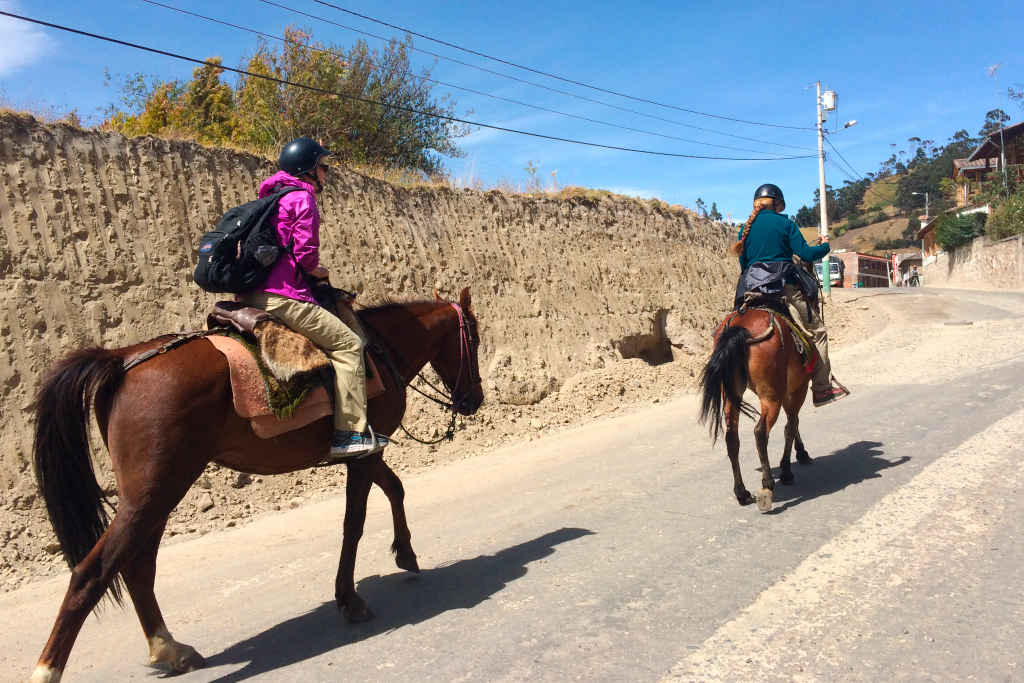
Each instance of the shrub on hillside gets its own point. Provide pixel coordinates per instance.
(1008, 218)
(953, 229)
(263, 115)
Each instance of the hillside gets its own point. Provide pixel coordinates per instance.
(877, 203)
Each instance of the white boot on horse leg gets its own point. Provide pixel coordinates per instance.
(164, 649)
(45, 674)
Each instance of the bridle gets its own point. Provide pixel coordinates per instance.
(443, 398)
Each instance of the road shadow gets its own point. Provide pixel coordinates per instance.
(399, 600)
(832, 473)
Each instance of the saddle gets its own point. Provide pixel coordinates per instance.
(775, 306)
(258, 344)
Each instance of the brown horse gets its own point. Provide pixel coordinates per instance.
(163, 421)
(755, 349)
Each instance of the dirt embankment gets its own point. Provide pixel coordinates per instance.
(576, 297)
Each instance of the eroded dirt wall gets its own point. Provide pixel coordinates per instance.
(99, 235)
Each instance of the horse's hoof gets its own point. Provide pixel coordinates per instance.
(407, 562)
(803, 458)
(745, 498)
(786, 478)
(765, 498)
(358, 613)
(192, 661)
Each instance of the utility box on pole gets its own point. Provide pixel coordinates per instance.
(828, 101)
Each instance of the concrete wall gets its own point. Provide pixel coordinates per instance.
(980, 264)
(98, 239)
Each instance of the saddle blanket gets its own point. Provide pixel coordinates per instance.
(250, 394)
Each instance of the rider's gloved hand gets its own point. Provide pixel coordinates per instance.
(320, 273)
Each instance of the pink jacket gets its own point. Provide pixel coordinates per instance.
(298, 228)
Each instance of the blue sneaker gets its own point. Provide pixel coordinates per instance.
(347, 444)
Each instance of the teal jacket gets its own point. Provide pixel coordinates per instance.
(773, 237)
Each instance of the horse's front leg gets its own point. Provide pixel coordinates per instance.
(392, 487)
(361, 473)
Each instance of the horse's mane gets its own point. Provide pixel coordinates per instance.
(389, 302)
(386, 302)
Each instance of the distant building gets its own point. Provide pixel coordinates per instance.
(969, 175)
(859, 270)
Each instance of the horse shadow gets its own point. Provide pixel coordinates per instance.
(832, 473)
(401, 599)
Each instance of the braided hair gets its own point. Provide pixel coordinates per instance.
(760, 204)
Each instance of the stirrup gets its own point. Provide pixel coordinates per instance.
(379, 443)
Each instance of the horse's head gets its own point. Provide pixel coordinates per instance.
(456, 360)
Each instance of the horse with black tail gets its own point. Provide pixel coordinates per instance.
(755, 349)
(165, 419)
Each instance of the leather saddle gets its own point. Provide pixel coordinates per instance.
(286, 353)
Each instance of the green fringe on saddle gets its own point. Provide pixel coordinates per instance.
(284, 400)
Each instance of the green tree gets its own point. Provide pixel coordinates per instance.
(953, 229)
(994, 120)
(1007, 219)
(714, 214)
(702, 209)
(807, 217)
(269, 114)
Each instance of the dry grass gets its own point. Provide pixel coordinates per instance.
(39, 110)
(401, 177)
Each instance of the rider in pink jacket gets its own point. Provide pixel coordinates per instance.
(298, 226)
(288, 294)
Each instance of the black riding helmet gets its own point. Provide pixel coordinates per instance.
(300, 156)
(769, 190)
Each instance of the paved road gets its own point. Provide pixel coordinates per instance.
(616, 552)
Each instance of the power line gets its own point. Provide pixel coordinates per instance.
(843, 158)
(409, 110)
(456, 87)
(559, 78)
(530, 83)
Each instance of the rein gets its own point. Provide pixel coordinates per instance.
(447, 399)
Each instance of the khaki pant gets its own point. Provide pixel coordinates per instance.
(798, 308)
(343, 347)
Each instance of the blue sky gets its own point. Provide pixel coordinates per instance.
(900, 68)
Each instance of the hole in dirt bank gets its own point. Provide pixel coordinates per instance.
(652, 347)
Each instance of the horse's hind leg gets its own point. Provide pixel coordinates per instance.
(732, 443)
(123, 539)
(392, 487)
(769, 415)
(796, 402)
(792, 422)
(139, 576)
(360, 479)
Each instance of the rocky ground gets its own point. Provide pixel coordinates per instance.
(222, 498)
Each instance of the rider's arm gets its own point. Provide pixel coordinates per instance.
(800, 247)
(306, 233)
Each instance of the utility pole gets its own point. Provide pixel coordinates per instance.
(993, 72)
(829, 104)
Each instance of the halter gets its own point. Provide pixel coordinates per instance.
(447, 399)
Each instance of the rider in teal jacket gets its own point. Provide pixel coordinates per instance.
(774, 237)
(769, 236)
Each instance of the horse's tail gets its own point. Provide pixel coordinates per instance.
(61, 452)
(725, 377)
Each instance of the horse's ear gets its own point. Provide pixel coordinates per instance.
(465, 302)
(437, 297)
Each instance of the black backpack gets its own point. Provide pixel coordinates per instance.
(237, 256)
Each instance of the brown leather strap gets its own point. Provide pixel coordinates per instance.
(176, 339)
